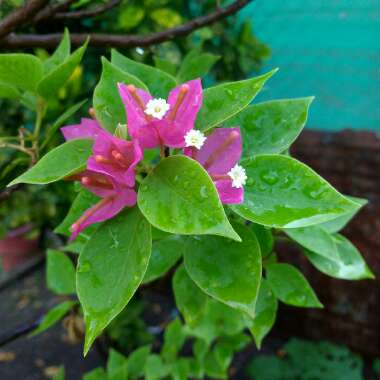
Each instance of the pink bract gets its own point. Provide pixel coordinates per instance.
(185, 102)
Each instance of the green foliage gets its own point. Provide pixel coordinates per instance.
(108, 106)
(299, 197)
(206, 260)
(308, 360)
(60, 273)
(63, 161)
(290, 286)
(53, 316)
(105, 281)
(179, 197)
(271, 127)
(225, 100)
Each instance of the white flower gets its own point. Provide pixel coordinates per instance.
(157, 108)
(238, 176)
(195, 138)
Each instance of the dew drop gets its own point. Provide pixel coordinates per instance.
(270, 177)
(84, 266)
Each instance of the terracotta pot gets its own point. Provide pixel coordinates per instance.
(16, 248)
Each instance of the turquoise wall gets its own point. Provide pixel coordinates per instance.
(326, 48)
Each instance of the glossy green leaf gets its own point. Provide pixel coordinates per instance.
(174, 338)
(53, 316)
(60, 273)
(136, 362)
(196, 65)
(225, 100)
(218, 320)
(23, 71)
(290, 286)
(82, 202)
(60, 54)
(178, 196)
(339, 223)
(62, 161)
(165, 253)
(265, 238)
(117, 366)
(271, 127)
(348, 264)
(109, 108)
(155, 368)
(110, 269)
(159, 82)
(190, 300)
(226, 270)
(316, 239)
(7, 91)
(266, 310)
(58, 76)
(283, 192)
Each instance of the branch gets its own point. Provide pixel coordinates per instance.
(87, 12)
(48, 12)
(20, 16)
(14, 41)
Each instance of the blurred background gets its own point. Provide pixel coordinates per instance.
(326, 48)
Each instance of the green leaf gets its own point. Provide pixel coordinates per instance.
(58, 76)
(62, 161)
(181, 369)
(225, 100)
(347, 264)
(117, 366)
(213, 366)
(266, 310)
(166, 17)
(23, 71)
(226, 270)
(7, 91)
(155, 368)
(82, 202)
(96, 374)
(285, 193)
(165, 65)
(60, 273)
(174, 338)
(165, 253)
(61, 119)
(339, 223)
(316, 239)
(271, 127)
(60, 375)
(109, 108)
(265, 238)
(60, 54)
(196, 65)
(218, 320)
(136, 362)
(53, 316)
(179, 197)
(190, 300)
(290, 286)
(159, 82)
(110, 269)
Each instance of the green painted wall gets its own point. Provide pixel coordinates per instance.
(326, 48)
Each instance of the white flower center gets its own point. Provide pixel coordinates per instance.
(195, 138)
(238, 176)
(157, 108)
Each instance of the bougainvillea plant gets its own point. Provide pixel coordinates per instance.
(174, 179)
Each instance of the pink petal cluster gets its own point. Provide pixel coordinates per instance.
(220, 153)
(184, 103)
(110, 172)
